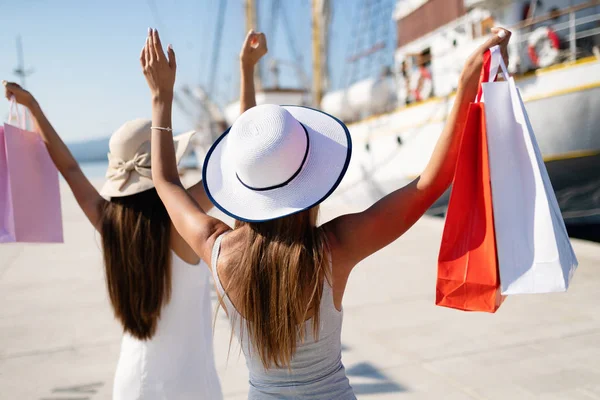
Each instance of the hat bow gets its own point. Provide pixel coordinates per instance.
(120, 170)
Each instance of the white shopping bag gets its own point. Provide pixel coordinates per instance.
(534, 250)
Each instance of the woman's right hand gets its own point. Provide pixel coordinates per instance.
(21, 95)
(158, 69)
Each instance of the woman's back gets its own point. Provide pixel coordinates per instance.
(315, 371)
(178, 361)
(161, 301)
(268, 171)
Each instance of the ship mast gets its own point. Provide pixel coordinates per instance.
(20, 71)
(251, 23)
(320, 24)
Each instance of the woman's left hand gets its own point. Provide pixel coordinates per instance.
(472, 69)
(158, 69)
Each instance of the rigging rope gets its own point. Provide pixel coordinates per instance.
(292, 43)
(216, 47)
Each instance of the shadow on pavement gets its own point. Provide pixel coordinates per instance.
(372, 381)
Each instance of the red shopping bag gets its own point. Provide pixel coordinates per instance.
(468, 277)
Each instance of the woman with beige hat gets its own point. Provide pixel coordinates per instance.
(158, 287)
(280, 277)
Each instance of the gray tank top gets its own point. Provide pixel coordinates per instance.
(316, 370)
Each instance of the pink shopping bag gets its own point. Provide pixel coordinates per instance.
(29, 189)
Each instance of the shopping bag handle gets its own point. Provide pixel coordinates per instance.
(492, 61)
(21, 119)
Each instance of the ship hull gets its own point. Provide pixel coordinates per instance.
(563, 105)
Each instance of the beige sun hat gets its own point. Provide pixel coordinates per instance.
(129, 158)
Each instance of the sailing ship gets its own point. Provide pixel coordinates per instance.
(396, 116)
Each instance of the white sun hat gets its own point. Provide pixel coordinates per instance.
(276, 161)
(129, 159)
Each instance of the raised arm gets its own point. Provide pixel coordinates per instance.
(359, 235)
(85, 193)
(254, 47)
(197, 229)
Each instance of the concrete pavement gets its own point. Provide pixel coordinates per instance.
(58, 339)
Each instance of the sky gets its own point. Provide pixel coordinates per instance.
(85, 54)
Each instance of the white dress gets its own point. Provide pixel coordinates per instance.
(178, 362)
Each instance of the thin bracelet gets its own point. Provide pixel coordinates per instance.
(160, 128)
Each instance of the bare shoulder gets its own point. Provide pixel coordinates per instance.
(220, 229)
(230, 255)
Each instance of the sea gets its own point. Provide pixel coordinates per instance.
(97, 169)
(94, 169)
(92, 157)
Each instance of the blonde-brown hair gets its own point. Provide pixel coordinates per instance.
(278, 282)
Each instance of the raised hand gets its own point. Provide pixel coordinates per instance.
(472, 68)
(254, 47)
(21, 95)
(158, 69)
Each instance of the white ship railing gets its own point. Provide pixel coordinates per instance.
(571, 25)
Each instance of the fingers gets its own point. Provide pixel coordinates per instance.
(172, 60)
(143, 56)
(262, 41)
(153, 52)
(146, 52)
(10, 88)
(11, 85)
(159, 54)
(504, 38)
(249, 38)
(500, 37)
(150, 57)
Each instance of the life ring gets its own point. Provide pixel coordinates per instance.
(422, 87)
(548, 42)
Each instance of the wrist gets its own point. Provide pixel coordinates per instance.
(33, 106)
(247, 68)
(162, 97)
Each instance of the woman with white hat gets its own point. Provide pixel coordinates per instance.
(281, 278)
(158, 287)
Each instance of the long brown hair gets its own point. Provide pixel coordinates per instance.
(136, 234)
(278, 281)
